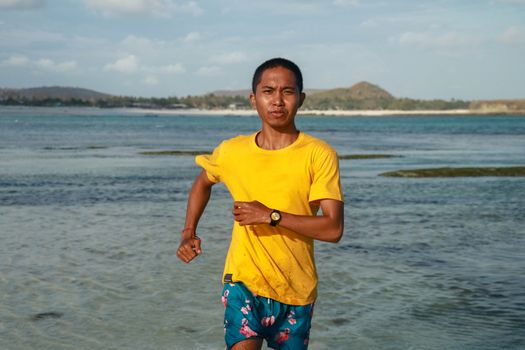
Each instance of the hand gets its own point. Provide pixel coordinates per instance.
(251, 213)
(189, 248)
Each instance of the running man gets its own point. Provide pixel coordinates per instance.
(279, 179)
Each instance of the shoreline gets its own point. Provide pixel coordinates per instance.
(331, 113)
(384, 113)
(246, 112)
(341, 113)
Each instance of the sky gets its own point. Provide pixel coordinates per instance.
(439, 49)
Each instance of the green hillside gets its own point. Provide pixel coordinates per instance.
(362, 95)
(61, 92)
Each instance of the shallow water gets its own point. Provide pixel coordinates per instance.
(89, 227)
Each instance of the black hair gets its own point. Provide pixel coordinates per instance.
(274, 63)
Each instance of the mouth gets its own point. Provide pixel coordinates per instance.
(278, 113)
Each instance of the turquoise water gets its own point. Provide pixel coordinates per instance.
(89, 228)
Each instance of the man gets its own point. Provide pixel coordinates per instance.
(278, 177)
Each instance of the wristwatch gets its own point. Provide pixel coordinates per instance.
(275, 217)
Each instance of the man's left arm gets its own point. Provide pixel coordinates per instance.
(326, 227)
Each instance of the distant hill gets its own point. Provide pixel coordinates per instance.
(360, 91)
(363, 95)
(58, 92)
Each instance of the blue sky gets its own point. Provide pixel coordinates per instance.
(420, 49)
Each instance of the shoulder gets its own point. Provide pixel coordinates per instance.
(235, 142)
(317, 145)
(239, 140)
(235, 145)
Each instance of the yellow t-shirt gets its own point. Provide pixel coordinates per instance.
(275, 262)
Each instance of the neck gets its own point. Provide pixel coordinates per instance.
(272, 139)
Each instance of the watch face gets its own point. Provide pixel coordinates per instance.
(275, 216)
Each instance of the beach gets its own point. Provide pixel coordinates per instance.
(151, 112)
(339, 113)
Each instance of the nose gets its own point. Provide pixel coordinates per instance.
(278, 99)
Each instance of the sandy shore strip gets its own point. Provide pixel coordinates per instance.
(343, 113)
(382, 113)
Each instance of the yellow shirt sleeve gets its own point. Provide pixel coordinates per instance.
(325, 183)
(210, 163)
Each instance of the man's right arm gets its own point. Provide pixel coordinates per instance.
(190, 244)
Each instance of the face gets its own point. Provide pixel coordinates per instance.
(277, 99)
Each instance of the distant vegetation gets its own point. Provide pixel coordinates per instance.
(499, 106)
(59, 96)
(458, 172)
(366, 156)
(361, 96)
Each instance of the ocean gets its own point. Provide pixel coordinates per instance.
(89, 226)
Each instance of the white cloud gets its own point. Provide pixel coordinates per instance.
(177, 68)
(209, 71)
(430, 40)
(126, 65)
(192, 37)
(48, 64)
(17, 60)
(66, 66)
(346, 3)
(229, 58)
(156, 8)
(514, 35)
(131, 7)
(173, 68)
(148, 47)
(21, 4)
(151, 80)
(43, 63)
(130, 64)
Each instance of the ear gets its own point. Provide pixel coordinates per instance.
(302, 96)
(253, 101)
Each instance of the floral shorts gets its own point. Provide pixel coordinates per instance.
(250, 316)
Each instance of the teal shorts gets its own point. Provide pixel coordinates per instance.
(250, 316)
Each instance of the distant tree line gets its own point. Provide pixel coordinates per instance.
(406, 104)
(211, 101)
